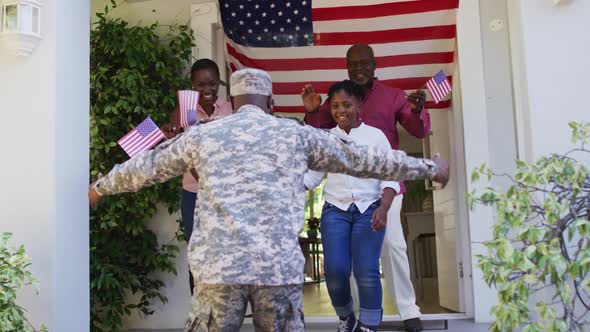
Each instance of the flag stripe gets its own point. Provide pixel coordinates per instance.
(149, 141)
(187, 100)
(385, 36)
(383, 73)
(337, 3)
(295, 100)
(433, 91)
(383, 9)
(420, 20)
(338, 62)
(131, 145)
(447, 85)
(289, 88)
(339, 51)
(386, 73)
(134, 148)
(128, 139)
(438, 92)
(181, 105)
(299, 109)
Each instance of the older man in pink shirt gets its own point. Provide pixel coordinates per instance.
(383, 107)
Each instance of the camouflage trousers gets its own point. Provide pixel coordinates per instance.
(221, 308)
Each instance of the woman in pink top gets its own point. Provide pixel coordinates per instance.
(205, 79)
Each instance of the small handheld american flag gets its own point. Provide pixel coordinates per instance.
(188, 103)
(439, 86)
(141, 138)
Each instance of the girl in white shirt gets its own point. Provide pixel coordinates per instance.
(353, 218)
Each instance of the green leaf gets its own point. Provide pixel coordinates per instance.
(134, 74)
(14, 276)
(530, 279)
(475, 176)
(540, 240)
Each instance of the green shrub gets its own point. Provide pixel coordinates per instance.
(541, 243)
(134, 74)
(14, 275)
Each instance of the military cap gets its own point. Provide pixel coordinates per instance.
(250, 81)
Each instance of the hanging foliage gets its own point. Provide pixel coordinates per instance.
(134, 74)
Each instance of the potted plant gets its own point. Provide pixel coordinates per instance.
(539, 257)
(313, 227)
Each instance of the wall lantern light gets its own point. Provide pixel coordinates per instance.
(20, 29)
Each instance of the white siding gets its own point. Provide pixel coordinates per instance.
(43, 197)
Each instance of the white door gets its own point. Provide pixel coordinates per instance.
(445, 205)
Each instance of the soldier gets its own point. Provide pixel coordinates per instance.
(250, 209)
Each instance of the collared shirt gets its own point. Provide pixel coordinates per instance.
(221, 108)
(343, 190)
(383, 107)
(250, 208)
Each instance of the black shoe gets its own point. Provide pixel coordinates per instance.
(364, 328)
(413, 325)
(348, 324)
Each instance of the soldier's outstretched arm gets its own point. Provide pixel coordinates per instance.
(329, 153)
(170, 159)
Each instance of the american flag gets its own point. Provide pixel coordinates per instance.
(439, 86)
(188, 103)
(304, 41)
(141, 138)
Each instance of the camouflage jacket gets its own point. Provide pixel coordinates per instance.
(250, 207)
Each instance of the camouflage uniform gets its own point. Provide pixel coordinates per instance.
(274, 308)
(250, 208)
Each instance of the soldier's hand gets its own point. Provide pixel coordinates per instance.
(417, 100)
(311, 99)
(170, 130)
(442, 175)
(93, 196)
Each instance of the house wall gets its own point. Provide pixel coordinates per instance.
(43, 197)
(516, 86)
(173, 313)
(550, 60)
(147, 12)
(519, 94)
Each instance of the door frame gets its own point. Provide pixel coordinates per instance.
(469, 126)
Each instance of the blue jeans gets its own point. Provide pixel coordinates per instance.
(188, 201)
(187, 212)
(348, 240)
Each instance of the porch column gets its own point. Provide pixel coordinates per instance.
(44, 105)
